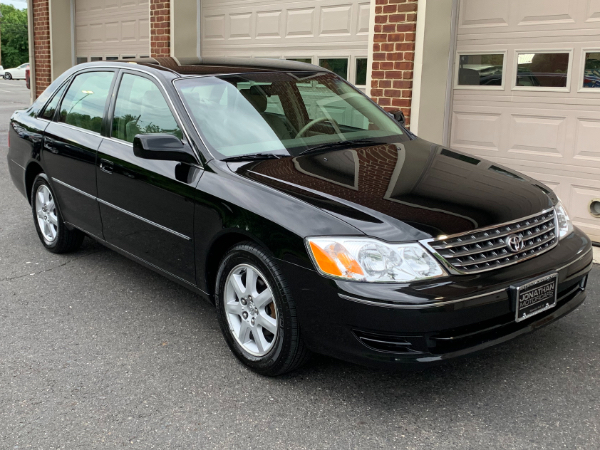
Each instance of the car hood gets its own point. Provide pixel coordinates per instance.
(405, 191)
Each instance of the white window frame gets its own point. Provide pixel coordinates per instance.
(479, 87)
(537, 88)
(580, 87)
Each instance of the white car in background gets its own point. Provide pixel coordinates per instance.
(16, 73)
(1, 71)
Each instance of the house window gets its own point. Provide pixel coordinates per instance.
(338, 66)
(96, 58)
(542, 70)
(361, 72)
(82, 59)
(481, 69)
(591, 70)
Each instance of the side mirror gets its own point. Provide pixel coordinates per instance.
(398, 116)
(164, 147)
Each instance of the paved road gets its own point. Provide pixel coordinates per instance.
(98, 352)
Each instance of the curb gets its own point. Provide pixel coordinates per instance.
(596, 255)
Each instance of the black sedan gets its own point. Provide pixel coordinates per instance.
(310, 217)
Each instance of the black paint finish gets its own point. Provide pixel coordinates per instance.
(179, 218)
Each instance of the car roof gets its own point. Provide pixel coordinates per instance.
(212, 65)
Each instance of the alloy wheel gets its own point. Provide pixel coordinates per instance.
(250, 309)
(45, 209)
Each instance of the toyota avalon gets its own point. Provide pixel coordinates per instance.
(311, 218)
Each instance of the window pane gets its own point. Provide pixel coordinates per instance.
(542, 69)
(51, 108)
(591, 76)
(141, 109)
(263, 112)
(338, 66)
(84, 102)
(81, 59)
(96, 58)
(302, 60)
(112, 58)
(361, 71)
(480, 70)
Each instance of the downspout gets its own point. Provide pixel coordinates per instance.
(32, 86)
(370, 44)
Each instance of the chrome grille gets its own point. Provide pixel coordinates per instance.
(487, 249)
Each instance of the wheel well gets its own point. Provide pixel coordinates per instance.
(215, 255)
(33, 170)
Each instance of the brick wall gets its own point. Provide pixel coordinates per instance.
(41, 49)
(394, 54)
(160, 28)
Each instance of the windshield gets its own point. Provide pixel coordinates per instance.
(284, 113)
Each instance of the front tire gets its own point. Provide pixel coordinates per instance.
(49, 224)
(7, 76)
(256, 312)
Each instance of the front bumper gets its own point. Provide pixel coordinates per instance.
(389, 325)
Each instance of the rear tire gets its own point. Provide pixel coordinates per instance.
(260, 297)
(49, 224)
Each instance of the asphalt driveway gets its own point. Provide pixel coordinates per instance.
(99, 352)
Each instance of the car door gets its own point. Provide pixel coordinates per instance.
(145, 204)
(71, 142)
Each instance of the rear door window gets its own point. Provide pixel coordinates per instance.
(48, 113)
(84, 103)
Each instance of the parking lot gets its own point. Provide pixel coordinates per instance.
(99, 352)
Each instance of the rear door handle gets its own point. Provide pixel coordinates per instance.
(106, 166)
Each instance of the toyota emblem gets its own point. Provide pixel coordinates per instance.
(514, 242)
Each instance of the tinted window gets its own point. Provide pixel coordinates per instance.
(591, 75)
(141, 109)
(480, 70)
(51, 108)
(542, 69)
(84, 102)
(361, 72)
(339, 66)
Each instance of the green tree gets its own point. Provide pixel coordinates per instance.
(13, 36)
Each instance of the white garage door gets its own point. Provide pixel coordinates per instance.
(111, 29)
(527, 94)
(333, 33)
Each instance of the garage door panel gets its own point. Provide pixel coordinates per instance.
(593, 11)
(300, 22)
(268, 24)
(112, 28)
(476, 131)
(587, 143)
(327, 25)
(484, 13)
(240, 25)
(537, 134)
(530, 12)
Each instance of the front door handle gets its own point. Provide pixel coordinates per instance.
(106, 166)
(49, 145)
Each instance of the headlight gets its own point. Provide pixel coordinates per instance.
(372, 260)
(565, 227)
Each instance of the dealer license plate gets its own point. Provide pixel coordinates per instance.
(536, 296)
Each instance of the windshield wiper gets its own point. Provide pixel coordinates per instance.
(253, 157)
(332, 145)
